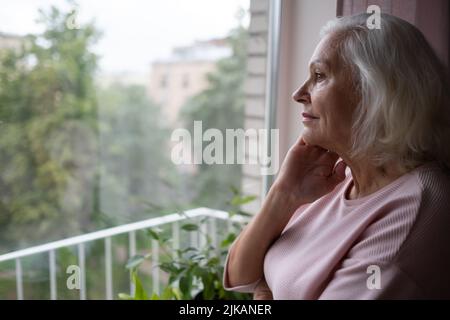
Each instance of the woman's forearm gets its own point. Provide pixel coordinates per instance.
(245, 261)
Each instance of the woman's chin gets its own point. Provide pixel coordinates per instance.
(312, 140)
(308, 137)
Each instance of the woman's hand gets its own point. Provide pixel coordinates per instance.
(308, 173)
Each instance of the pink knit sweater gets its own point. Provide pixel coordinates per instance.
(401, 231)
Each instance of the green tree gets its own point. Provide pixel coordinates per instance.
(75, 157)
(137, 176)
(49, 140)
(220, 106)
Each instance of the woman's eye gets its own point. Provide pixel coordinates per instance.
(318, 76)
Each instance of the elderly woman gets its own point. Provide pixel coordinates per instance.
(361, 206)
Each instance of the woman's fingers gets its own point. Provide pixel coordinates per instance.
(332, 156)
(324, 157)
(302, 141)
(299, 142)
(339, 172)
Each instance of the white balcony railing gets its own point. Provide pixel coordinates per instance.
(106, 235)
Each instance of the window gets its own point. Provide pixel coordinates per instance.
(85, 129)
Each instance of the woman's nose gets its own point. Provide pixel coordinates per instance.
(302, 95)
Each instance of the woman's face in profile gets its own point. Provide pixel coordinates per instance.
(328, 99)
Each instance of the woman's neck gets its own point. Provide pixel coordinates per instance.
(368, 179)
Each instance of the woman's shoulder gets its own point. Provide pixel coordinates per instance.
(414, 208)
(429, 237)
(434, 180)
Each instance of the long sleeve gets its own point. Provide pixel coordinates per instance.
(356, 280)
(247, 288)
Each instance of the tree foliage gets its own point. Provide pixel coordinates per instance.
(48, 145)
(134, 155)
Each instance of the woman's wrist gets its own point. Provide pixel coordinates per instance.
(279, 206)
(285, 198)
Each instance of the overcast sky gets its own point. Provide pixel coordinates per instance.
(135, 32)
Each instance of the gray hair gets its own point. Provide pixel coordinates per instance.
(403, 113)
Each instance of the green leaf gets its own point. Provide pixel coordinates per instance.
(228, 240)
(155, 297)
(165, 238)
(172, 278)
(185, 285)
(167, 294)
(155, 234)
(238, 200)
(199, 271)
(177, 293)
(189, 227)
(124, 296)
(140, 293)
(187, 249)
(213, 262)
(234, 190)
(197, 257)
(245, 214)
(169, 268)
(209, 289)
(134, 261)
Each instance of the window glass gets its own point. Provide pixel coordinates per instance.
(90, 95)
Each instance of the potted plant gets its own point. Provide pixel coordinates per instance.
(193, 272)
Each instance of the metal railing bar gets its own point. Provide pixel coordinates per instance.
(213, 231)
(153, 222)
(52, 268)
(19, 280)
(203, 234)
(175, 237)
(155, 267)
(132, 252)
(193, 235)
(108, 269)
(82, 265)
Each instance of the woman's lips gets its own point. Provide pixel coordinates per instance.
(308, 117)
